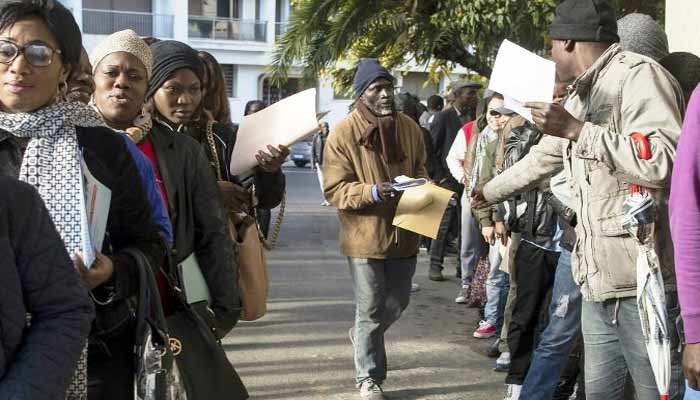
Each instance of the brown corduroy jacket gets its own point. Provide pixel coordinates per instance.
(349, 172)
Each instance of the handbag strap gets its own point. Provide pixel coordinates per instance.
(272, 242)
(267, 244)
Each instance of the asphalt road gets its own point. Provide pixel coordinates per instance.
(300, 349)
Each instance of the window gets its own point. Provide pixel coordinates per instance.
(230, 75)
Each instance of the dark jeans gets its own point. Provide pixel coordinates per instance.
(448, 227)
(535, 268)
(111, 368)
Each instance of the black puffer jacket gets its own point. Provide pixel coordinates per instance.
(129, 224)
(37, 277)
(198, 219)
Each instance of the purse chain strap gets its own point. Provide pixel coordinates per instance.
(275, 233)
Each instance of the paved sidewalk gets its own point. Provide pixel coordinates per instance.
(300, 350)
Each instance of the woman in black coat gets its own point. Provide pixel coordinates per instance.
(50, 144)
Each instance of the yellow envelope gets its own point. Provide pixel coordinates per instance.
(421, 209)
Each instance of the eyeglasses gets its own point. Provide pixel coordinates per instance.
(494, 113)
(37, 54)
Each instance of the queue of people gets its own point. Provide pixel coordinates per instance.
(538, 212)
(542, 207)
(150, 123)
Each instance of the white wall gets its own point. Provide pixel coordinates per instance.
(248, 81)
(682, 18)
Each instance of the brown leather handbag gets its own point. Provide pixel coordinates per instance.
(249, 247)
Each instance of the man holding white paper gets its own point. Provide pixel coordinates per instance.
(613, 95)
(364, 153)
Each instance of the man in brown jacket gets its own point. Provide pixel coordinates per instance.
(364, 153)
(613, 95)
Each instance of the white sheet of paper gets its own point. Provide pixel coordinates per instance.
(283, 123)
(94, 222)
(522, 76)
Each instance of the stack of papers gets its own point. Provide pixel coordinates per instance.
(522, 76)
(97, 199)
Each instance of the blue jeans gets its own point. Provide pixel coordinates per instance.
(557, 340)
(382, 292)
(496, 289)
(472, 246)
(614, 346)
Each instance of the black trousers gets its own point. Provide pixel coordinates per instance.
(534, 275)
(449, 229)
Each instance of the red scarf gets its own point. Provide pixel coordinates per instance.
(381, 134)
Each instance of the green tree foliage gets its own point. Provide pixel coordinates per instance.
(440, 34)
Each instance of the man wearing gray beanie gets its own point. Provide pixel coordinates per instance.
(613, 95)
(363, 154)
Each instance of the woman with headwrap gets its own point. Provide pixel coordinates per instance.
(44, 142)
(124, 97)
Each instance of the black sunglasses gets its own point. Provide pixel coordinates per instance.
(495, 113)
(37, 54)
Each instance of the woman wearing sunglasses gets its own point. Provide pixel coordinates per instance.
(44, 141)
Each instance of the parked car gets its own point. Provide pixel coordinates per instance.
(300, 153)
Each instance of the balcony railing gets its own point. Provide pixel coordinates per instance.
(106, 22)
(227, 29)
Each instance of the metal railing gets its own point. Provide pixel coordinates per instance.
(227, 29)
(106, 22)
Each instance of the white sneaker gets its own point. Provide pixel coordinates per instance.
(370, 390)
(503, 362)
(463, 295)
(513, 392)
(414, 287)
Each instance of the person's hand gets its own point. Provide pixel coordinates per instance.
(272, 161)
(691, 364)
(501, 232)
(489, 234)
(553, 119)
(100, 272)
(478, 201)
(234, 197)
(386, 190)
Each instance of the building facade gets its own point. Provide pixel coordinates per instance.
(239, 33)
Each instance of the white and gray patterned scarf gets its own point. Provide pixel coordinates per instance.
(52, 161)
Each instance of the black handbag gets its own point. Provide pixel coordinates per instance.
(204, 369)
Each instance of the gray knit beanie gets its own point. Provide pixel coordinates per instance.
(640, 34)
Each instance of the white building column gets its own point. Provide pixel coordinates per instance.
(180, 10)
(268, 13)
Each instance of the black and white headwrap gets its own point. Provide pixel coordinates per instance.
(52, 161)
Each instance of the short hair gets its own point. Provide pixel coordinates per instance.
(249, 105)
(436, 102)
(409, 105)
(57, 18)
